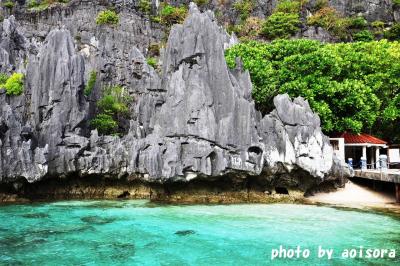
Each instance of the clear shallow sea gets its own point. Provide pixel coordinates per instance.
(143, 233)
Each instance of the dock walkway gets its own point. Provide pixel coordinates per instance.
(387, 175)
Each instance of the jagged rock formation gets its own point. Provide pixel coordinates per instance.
(195, 121)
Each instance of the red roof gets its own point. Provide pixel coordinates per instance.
(360, 138)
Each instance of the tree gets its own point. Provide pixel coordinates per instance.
(352, 86)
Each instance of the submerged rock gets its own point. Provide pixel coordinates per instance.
(37, 215)
(185, 232)
(196, 120)
(97, 220)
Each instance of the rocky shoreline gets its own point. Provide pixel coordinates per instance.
(226, 190)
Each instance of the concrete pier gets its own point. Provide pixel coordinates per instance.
(386, 175)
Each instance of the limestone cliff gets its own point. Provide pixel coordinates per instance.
(195, 120)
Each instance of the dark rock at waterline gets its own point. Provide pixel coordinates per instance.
(185, 232)
(196, 120)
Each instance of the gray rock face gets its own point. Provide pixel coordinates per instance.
(195, 121)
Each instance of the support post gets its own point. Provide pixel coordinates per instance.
(397, 193)
(377, 153)
(364, 158)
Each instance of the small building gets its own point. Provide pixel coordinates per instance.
(362, 149)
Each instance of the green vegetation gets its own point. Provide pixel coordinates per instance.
(288, 6)
(13, 84)
(358, 23)
(35, 5)
(378, 26)
(105, 124)
(154, 49)
(319, 4)
(91, 82)
(145, 6)
(244, 7)
(396, 3)
(352, 86)
(201, 3)
(250, 29)
(170, 15)
(363, 36)
(3, 79)
(393, 33)
(113, 107)
(107, 17)
(32, 3)
(329, 19)
(280, 25)
(9, 4)
(152, 62)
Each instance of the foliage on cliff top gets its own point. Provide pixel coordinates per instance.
(352, 86)
(109, 17)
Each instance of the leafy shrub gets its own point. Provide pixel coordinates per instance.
(244, 7)
(329, 19)
(393, 33)
(250, 29)
(363, 36)
(154, 49)
(288, 6)
(114, 101)
(170, 15)
(107, 17)
(32, 3)
(152, 62)
(3, 79)
(91, 82)
(113, 107)
(105, 124)
(396, 3)
(36, 5)
(358, 23)
(280, 25)
(201, 3)
(319, 4)
(145, 6)
(14, 84)
(9, 4)
(352, 86)
(378, 26)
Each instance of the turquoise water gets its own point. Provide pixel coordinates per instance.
(142, 233)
